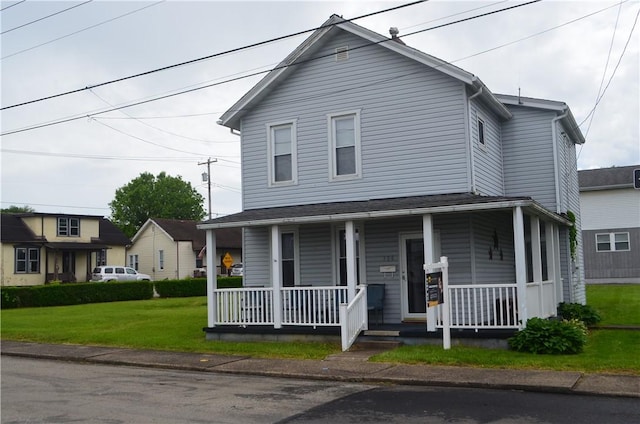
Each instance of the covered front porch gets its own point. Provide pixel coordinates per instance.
(314, 271)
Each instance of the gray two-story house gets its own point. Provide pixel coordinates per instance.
(364, 159)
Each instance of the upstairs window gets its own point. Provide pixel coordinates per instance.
(68, 227)
(344, 145)
(612, 242)
(282, 153)
(481, 140)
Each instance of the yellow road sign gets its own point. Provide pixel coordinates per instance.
(227, 260)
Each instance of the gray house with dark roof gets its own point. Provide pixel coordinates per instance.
(610, 208)
(176, 248)
(38, 248)
(363, 159)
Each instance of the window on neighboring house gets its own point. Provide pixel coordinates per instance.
(282, 151)
(101, 257)
(481, 133)
(612, 242)
(288, 258)
(27, 260)
(68, 227)
(344, 145)
(133, 262)
(161, 259)
(342, 257)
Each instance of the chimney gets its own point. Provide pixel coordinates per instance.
(394, 35)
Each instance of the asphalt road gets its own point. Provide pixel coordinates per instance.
(43, 391)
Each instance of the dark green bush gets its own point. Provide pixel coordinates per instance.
(193, 286)
(74, 294)
(577, 311)
(550, 337)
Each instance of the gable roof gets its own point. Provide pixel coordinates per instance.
(110, 234)
(13, 229)
(187, 230)
(231, 118)
(606, 178)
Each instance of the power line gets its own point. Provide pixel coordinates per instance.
(199, 59)
(141, 102)
(11, 5)
(79, 31)
(45, 17)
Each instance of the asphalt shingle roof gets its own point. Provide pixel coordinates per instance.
(186, 230)
(616, 177)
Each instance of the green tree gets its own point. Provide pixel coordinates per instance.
(17, 209)
(148, 196)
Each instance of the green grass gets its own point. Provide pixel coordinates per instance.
(176, 324)
(164, 324)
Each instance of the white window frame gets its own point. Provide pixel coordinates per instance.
(333, 174)
(70, 227)
(101, 257)
(271, 152)
(612, 242)
(360, 254)
(482, 135)
(161, 259)
(134, 262)
(296, 255)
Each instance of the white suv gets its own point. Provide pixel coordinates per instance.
(117, 273)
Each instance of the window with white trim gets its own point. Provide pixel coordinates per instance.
(288, 258)
(344, 145)
(68, 227)
(282, 153)
(612, 242)
(134, 262)
(481, 139)
(27, 260)
(161, 259)
(101, 257)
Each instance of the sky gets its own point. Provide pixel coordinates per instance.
(583, 53)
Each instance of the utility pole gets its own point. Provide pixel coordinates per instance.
(206, 177)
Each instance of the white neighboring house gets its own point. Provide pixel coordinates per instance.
(175, 249)
(610, 208)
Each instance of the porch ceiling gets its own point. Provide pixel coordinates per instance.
(377, 208)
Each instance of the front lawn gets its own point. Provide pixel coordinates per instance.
(176, 324)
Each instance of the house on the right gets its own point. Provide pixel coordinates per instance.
(610, 206)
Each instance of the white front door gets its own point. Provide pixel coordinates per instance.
(412, 284)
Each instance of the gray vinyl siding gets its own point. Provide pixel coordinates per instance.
(315, 255)
(609, 266)
(413, 135)
(487, 159)
(528, 155)
(257, 257)
(494, 262)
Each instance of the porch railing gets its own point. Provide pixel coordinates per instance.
(490, 306)
(353, 318)
(244, 306)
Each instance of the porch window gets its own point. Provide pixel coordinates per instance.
(344, 142)
(68, 227)
(288, 258)
(342, 257)
(282, 151)
(612, 242)
(27, 260)
(133, 262)
(101, 257)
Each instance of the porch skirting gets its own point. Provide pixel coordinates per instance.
(405, 334)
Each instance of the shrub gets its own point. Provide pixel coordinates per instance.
(193, 286)
(74, 294)
(576, 311)
(550, 337)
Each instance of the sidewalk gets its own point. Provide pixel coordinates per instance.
(347, 366)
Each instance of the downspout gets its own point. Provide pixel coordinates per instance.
(555, 156)
(471, 151)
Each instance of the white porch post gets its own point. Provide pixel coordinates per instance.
(537, 262)
(549, 232)
(427, 237)
(350, 239)
(556, 265)
(521, 264)
(276, 276)
(212, 279)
